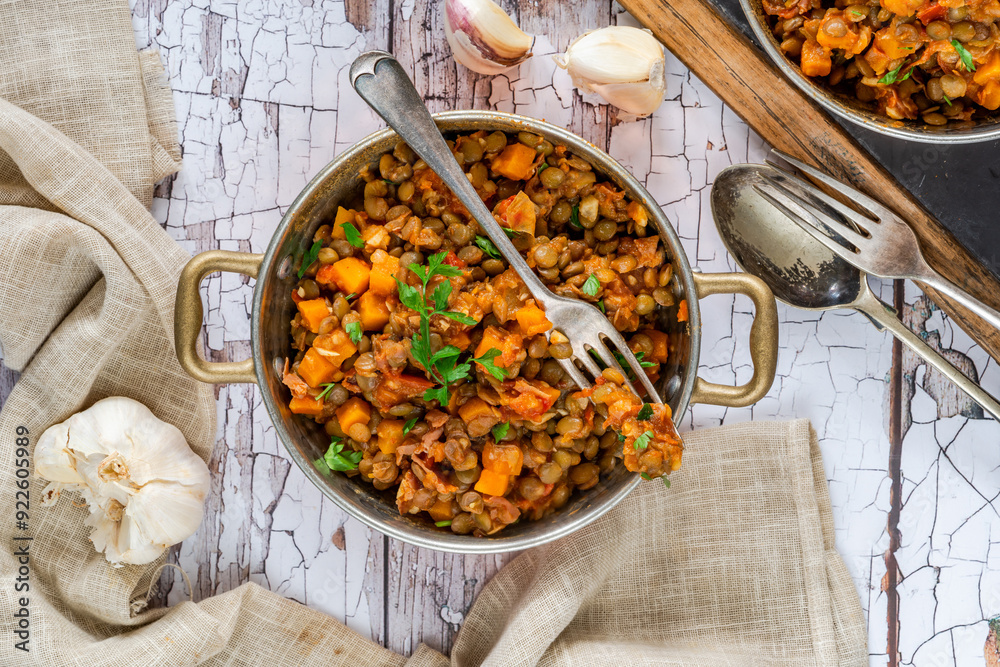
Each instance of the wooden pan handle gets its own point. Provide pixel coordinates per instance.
(790, 121)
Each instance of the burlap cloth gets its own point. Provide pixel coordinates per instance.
(734, 565)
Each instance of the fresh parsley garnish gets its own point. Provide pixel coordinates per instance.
(500, 431)
(645, 412)
(542, 167)
(309, 258)
(666, 481)
(443, 366)
(351, 296)
(487, 247)
(338, 459)
(964, 54)
(574, 218)
(509, 232)
(858, 13)
(643, 441)
(890, 77)
(353, 235)
(644, 475)
(354, 331)
(486, 361)
(621, 438)
(326, 390)
(443, 524)
(946, 99)
(591, 286)
(410, 423)
(600, 304)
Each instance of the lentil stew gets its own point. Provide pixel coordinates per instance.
(434, 372)
(938, 61)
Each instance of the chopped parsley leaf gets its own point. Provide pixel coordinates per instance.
(591, 286)
(500, 431)
(310, 257)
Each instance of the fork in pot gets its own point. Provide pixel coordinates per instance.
(381, 82)
(881, 243)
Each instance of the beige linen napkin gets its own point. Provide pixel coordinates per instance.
(734, 565)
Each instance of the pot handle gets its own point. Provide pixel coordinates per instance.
(188, 316)
(763, 340)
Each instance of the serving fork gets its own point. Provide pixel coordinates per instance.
(384, 85)
(880, 243)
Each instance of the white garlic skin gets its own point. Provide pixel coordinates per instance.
(624, 65)
(145, 487)
(483, 37)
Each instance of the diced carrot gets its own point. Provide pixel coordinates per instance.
(504, 459)
(315, 369)
(815, 60)
(931, 12)
(306, 406)
(474, 408)
(335, 346)
(384, 268)
(393, 389)
(491, 483)
(638, 213)
(461, 340)
(515, 162)
(682, 311)
(354, 411)
(517, 213)
(441, 511)
(661, 345)
(510, 344)
(988, 71)
(313, 313)
(492, 338)
(989, 95)
(374, 311)
(349, 275)
(532, 320)
(344, 215)
(390, 434)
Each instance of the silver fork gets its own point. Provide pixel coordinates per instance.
(880, 243)
(383, 84)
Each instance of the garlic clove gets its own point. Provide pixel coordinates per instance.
(624, 65)
(145, 487)
(483, 37)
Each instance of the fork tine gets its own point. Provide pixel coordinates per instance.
(778, 201)
(640, 373)
(872, 206)
(808, 193)
(588, 362)
(574, 373)
(809, 213)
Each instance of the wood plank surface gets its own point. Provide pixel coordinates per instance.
(787, 119)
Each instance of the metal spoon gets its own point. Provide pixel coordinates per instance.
(802, 272)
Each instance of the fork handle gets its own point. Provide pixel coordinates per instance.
(381, 82)
(871, 306)
(935, 280)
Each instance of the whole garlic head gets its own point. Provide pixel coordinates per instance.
(482, 37)
(145, 487)
(623, 65)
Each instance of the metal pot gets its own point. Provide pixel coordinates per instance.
(860, 113)
(306, 441)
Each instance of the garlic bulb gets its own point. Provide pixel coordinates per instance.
(145, 487)
(624, 65)
(482, 37)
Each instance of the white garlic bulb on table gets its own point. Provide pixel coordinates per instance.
(623, 65)
(483, 37)
(145, 487)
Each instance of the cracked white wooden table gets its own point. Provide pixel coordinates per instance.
(263, 103)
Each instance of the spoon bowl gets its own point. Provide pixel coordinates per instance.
(804, 273)
(800, 271)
